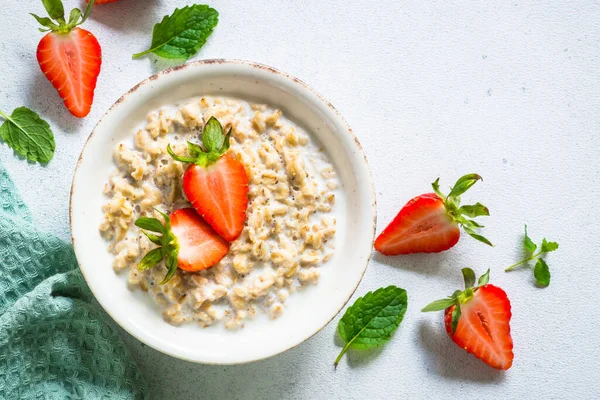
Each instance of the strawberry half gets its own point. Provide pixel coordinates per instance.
(70, 57)
(187, 242)
(216, 184)
(478, 320)
(429, 223)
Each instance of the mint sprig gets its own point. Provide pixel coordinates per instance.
(541, 272)
(28, 135)
(461, 214)
(459, 297)
(214, 142)
(372, 319)
(183, 33)
(168, 245)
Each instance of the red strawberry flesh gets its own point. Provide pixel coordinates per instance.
(421, 226)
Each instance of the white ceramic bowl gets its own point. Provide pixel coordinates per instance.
(308, 310)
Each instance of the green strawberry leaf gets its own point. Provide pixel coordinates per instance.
(153, 238)
(477, 236)
(171, 266)
(541, 272)
(55, 9)
(439, 305)
(183, 33)
(151, 259)
(484, 279)
(212, 135)
(372, 319)
(456, 313)
(436, 188)
(150, 224)
(475, 210)
(226, 143)
(548, 246)
(528, 243)
(28, 135)
(469, 277)
(463, 184)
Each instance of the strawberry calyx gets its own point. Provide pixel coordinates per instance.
(459, 297)
(168, 244)
(57, 22)
(461, 214)
(215, 144)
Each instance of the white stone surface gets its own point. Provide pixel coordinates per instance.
(508, 89)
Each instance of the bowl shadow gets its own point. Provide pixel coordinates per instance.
(450, 361)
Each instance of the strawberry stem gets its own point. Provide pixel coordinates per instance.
(530, 258)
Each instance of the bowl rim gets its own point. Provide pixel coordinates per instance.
(253, 65)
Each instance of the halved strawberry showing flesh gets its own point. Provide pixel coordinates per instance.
(70, 57)
(187, 242)
(429, 223)
(216, 184)
(478, 320)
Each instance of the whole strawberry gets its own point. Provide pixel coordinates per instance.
(478, 320)
(69, 56)
(429, 223)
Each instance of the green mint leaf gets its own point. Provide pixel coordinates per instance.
(436, 188)
(171, 266)
(182, 34)
(541, 273)
(456, 313)
(484, 279)
(528, 243)
(28, 135)
(55, 9)
(548, 246)
(151, 259)
(463, 184)
(150, 224)
(477, 236)
(475, 210)
(212, 135)
(469, 277)
(439, 305)
(372, 319)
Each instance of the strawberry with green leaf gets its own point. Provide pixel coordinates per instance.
(430, 223)
(216, 184)
(186, 241)
(478, 320)
(541, 272)
(69, 56)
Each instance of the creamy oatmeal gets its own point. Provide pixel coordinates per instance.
(289, 229)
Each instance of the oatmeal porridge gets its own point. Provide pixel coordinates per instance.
(289, 229)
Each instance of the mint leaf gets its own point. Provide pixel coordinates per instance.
(150, 224)
(469, 277)
(548, 246)
(528, 243)
(28, 135)
(182, 34)
(541, 272)
(439, 305)
(372, 319)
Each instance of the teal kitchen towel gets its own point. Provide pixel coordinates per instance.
(55, 342)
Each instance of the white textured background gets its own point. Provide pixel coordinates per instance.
(508, 89)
